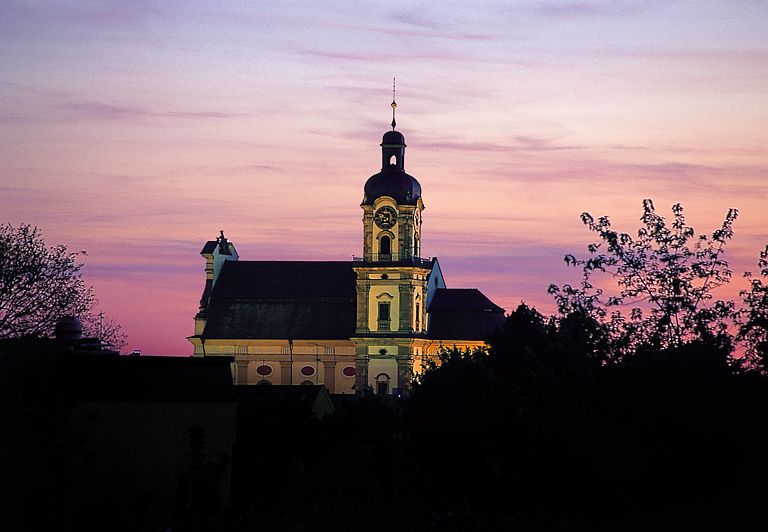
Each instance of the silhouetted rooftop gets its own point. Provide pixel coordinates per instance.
(209, 247)
(123, 378)
(462, 314)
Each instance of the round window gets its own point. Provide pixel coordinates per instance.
(308, 371)
(264, 370)
(349, 371)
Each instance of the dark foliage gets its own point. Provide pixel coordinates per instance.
(656, 287)
(40, 284)
(543, 431)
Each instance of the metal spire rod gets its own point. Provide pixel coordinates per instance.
(394, 105)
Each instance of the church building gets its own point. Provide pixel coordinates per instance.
(358, 326)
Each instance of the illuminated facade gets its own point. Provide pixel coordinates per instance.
(364, 325)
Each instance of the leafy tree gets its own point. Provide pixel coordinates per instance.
(754, 327)
(40, 284)
(665, 276)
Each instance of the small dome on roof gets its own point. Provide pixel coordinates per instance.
(393, 137)
(68, 328)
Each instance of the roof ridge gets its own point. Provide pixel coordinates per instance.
(298, 261)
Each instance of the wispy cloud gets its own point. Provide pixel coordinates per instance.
(566, 9)
(95, 110)
(520, 143)
(399, 57)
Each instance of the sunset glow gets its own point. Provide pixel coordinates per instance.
(137, 131)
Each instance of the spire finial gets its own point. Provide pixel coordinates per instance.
(394, 105)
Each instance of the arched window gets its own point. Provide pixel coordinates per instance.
(382, 384)
(393, 160)
(385, 245)
(416, 246)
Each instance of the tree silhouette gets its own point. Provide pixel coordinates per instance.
(40, 284)
(754, 327)
(665, 276)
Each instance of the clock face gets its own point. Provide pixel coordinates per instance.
(385, 217)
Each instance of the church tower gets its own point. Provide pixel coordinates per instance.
(391, 275)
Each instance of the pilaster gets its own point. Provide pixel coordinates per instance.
(406, 304)
(404, 373)
(329, 377)
(285, 372)
(363, 294)
(368, 233)
(241, 377)
(361, 373)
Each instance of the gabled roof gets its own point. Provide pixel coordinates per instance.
(317, 300)
(462, 314)
(329, 318)
(283, 300)
(209, 247)
(285, 280)
(462, 299)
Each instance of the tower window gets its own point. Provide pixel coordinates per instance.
(384, 312)
(393, 160)
(418, 317)
(385, 245)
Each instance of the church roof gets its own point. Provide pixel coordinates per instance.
(392, 182)
(209, 247)
(462, 314)
(285, 280)
(294, 319)
(283, 300)
(317, 300)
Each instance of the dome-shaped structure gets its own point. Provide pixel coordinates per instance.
(396, 184)
(68, 328)
(392, 181)
(393, 137)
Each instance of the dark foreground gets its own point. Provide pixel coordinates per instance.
(540, 434)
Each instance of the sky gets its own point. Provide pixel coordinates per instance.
(138, 130)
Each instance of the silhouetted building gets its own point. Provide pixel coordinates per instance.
(119, 436)
(353, 325)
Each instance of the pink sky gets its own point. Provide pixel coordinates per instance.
(138, 130)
